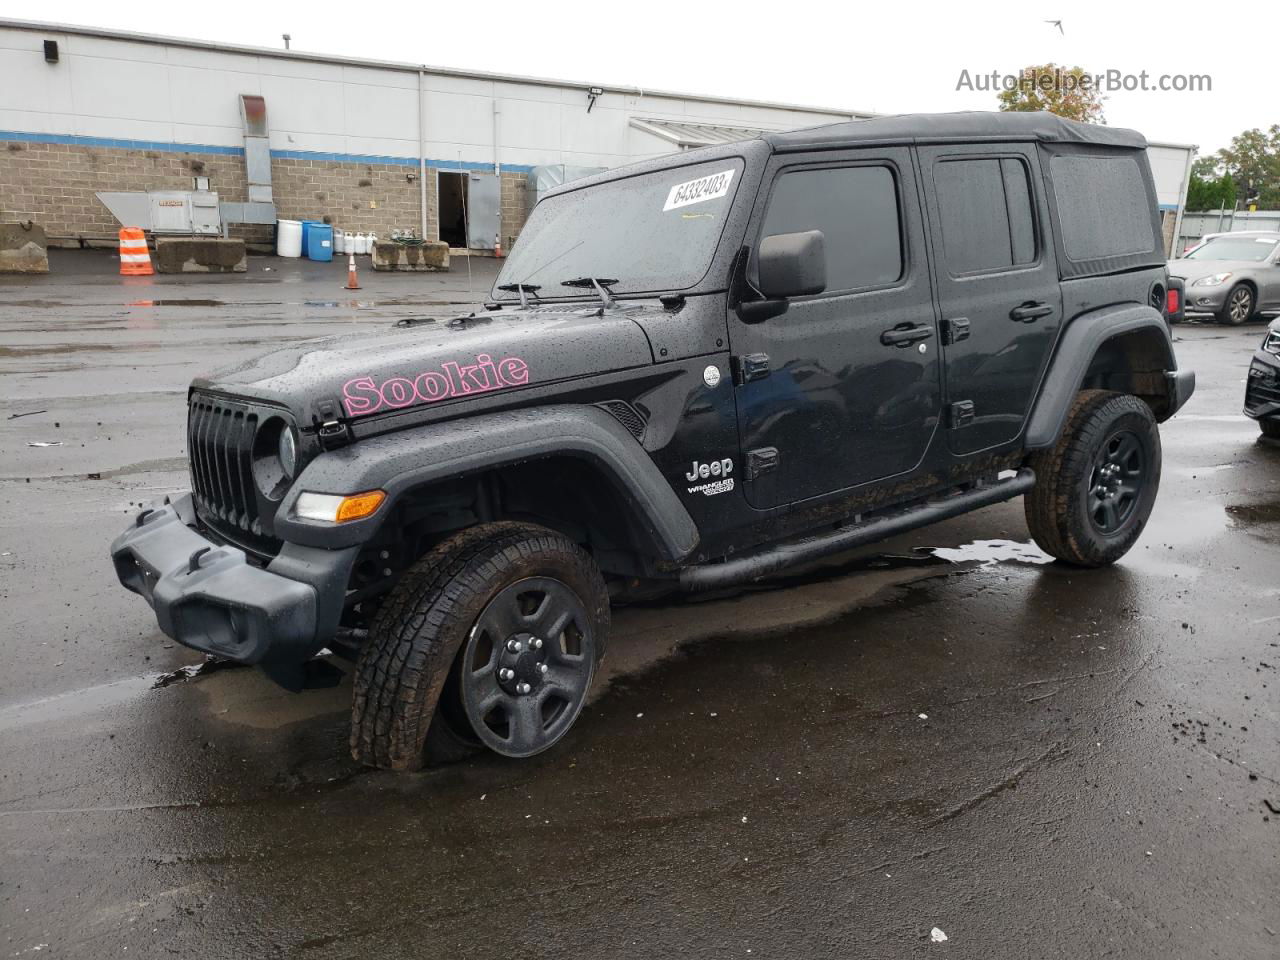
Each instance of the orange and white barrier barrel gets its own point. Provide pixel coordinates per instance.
(135, 261)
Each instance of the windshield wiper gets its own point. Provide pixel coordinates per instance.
(522, 289)
(600, 284)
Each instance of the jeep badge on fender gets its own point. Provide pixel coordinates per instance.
(504, 477)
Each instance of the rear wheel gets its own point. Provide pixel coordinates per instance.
(1096, 487)
(1238, 307)
(491, 639)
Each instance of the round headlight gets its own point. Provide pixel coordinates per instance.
(288, 452)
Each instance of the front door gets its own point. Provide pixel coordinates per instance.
(843, 388)
(997, 284)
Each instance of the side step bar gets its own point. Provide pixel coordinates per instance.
(754, 566)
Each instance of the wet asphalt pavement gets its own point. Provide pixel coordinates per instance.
(1040, 762)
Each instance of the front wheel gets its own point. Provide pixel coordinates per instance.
(1238, 307)
(1270, 429)
(491, 639)
(1096, 487)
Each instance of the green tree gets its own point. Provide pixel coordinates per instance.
(1210, 193)
(1067, 91)
(1253, 161)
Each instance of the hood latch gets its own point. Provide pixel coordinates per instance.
(330, 430)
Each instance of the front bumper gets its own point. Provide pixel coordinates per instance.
(1262, 390)
(209, 597)
(1204, 301)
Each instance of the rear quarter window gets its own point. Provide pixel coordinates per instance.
(1103, 207)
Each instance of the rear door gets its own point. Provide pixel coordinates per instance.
(997, 284)
(845, 387)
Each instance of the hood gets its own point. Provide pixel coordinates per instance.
(439, 362)
(1192, 270)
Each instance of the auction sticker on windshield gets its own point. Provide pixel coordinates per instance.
(711, 187)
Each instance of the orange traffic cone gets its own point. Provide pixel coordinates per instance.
(497, 245)
(135, 261)
(352, 282)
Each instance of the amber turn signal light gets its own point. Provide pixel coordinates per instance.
(332, 508)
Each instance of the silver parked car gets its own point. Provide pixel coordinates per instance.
(1231, 276)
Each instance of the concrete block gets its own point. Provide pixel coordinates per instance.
(200, 255)
(429, 256)
(23, 248)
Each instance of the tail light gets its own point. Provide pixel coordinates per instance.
(1171, 303)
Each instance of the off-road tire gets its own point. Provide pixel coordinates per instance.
(1233, 313)
(1057, 507)
(1270, 428)
(398, 721)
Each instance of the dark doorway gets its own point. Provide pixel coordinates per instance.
(452, 208)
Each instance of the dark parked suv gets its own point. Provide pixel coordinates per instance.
(1262, 394)
(695, 371)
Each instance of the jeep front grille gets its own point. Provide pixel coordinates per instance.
(220, 447)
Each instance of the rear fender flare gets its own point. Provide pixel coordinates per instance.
(1080, 343)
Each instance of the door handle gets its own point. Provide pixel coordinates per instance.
(905, 334)
(1030, 312)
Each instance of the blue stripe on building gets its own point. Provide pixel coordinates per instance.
(160, 146)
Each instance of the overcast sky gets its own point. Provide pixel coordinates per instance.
(890, 58)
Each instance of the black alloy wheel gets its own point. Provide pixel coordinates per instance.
(527, 666)
(1116, 481)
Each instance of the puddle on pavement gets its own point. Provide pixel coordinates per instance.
(74, 703)
(1197, 472)
(1254, 514)
(1179, 523)
(194, 671)
(987, 552)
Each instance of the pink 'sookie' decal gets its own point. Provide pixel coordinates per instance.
(364, 395)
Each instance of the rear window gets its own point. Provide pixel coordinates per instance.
(1103, 207)
(985, 207)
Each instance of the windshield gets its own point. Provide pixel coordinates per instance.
(652, 232)
(1234, 248)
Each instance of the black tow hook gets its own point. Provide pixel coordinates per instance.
(193, 564)
(142, 517)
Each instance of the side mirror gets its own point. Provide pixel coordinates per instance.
(793, 265)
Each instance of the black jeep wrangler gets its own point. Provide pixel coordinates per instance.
(694, 372)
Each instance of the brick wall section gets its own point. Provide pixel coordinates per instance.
(54, 185)
(514, 190)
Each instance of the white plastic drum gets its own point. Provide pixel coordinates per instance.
(288, 238)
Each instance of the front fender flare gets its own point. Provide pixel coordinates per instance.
(400, 461)
(1080, 342)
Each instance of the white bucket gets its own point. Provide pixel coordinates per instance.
(288, 238)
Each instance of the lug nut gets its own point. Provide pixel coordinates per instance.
(515, 646)
(506, 673)
(523, 687)
(536, 644)
(542, 668)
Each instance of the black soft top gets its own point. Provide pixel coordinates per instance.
(972, 126)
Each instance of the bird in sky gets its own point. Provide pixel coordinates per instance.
(1058, 24)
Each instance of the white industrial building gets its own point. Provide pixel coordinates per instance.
(364, 144)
